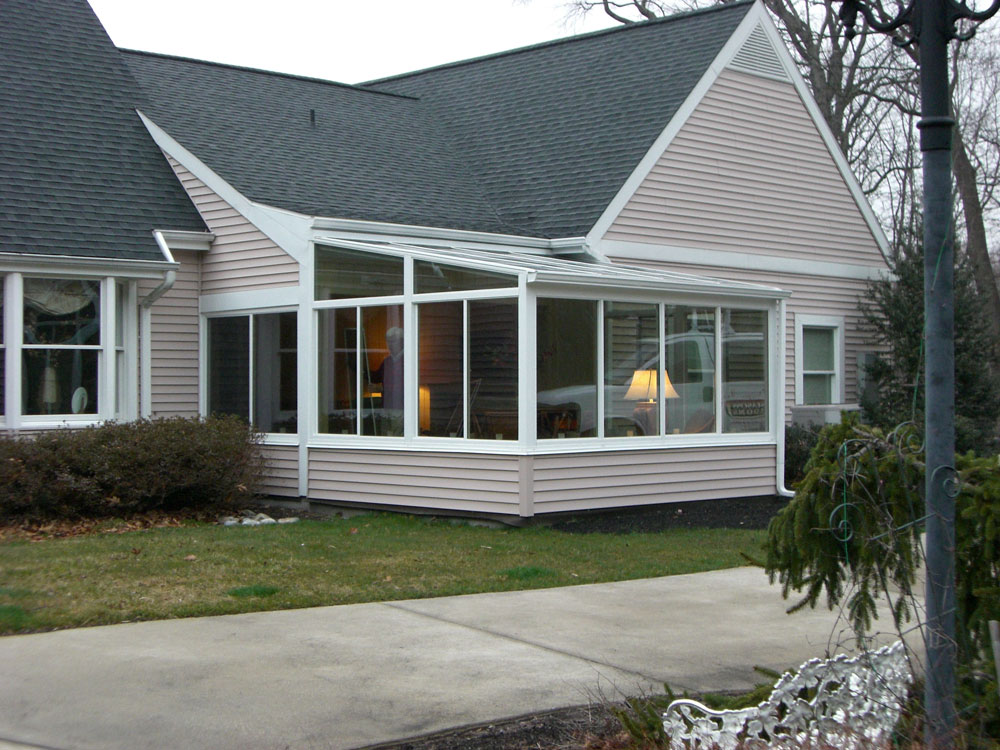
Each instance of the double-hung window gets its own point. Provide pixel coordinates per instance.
(819, 354)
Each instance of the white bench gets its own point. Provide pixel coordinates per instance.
(849, 703)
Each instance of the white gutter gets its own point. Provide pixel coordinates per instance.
(779, 479)
(169, 276)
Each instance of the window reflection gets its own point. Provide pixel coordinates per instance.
(744, 370)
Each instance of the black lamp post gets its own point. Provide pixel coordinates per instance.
(932, 24)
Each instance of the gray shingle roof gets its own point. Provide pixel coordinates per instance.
(535, 141)
(79, 173)
(368, 155)
(553, 131)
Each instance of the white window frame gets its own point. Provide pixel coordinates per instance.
(270, 438)
(529, 287)
(108, 380)
(830, 322)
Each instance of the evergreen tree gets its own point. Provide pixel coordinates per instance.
(893, 311)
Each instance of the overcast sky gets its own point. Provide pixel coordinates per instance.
(349, 41)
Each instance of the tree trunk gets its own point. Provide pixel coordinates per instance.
(976, 247)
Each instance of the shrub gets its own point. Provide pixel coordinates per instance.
(799, 442)
(118, 469)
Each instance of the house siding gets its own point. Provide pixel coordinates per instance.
(174, 337)
(586, 481)
(281, 474)
(242, 258)
(749, 172)
(461, 482)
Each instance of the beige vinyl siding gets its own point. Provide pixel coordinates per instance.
(472, 482)
(811, 295)
(583, 481)
(174, 342)
(281, 472)
(242, 257)
(749, 172)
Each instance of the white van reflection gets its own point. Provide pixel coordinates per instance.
(630, 403)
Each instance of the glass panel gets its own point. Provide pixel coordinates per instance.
(440, 369)
(817, 389)
(435, 277)
(567, 368)
(744, 370)
(493, 369)
(59, 381)
(631, 369)
(275, 370)
(2, 284)
(343, 274)
(60, 311)
(382, 378)
(3, 356)
(817, 349)
(689, 343)
(229, 366)
(338, 357)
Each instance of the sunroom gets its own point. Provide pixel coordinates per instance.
(431, 351)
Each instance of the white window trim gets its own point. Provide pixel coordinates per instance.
(13, 314)
(836, 323)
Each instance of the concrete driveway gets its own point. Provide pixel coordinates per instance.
(355, 675)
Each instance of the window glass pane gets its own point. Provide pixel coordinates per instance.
(2, 355)
(744, 370)
(436, 277)
(631, 369)
(338, 357)
(817, 349)
(567, 368)
(229, 366)
(2, 280)
(816, 389)
(440, 370)
(60, 311)
(275, 372)
(382, 376)
(493, 369)
(342, 274)
(59, 381)
(689, 343)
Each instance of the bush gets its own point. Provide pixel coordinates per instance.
(119, 469)
(799, 442)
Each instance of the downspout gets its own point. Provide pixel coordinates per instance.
(145, 327)
(169, 276)
(779, 482)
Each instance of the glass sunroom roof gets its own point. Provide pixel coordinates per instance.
(542, 269)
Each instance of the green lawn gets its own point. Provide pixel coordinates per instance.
(208, 570)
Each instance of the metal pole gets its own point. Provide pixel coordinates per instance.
(939, 322)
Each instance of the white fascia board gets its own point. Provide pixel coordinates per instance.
(360, 230)
(665, 287)
(428, 254)
(177, 240)
(761, 15)
(253, 300)
(628, 251)
(55, 264)
(287, 229)
(681, 116)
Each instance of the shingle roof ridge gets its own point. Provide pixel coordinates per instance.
(724, 6)
(261, 71)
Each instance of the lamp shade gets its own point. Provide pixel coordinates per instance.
(642, 387)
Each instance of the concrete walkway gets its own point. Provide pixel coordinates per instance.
(355, 675)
